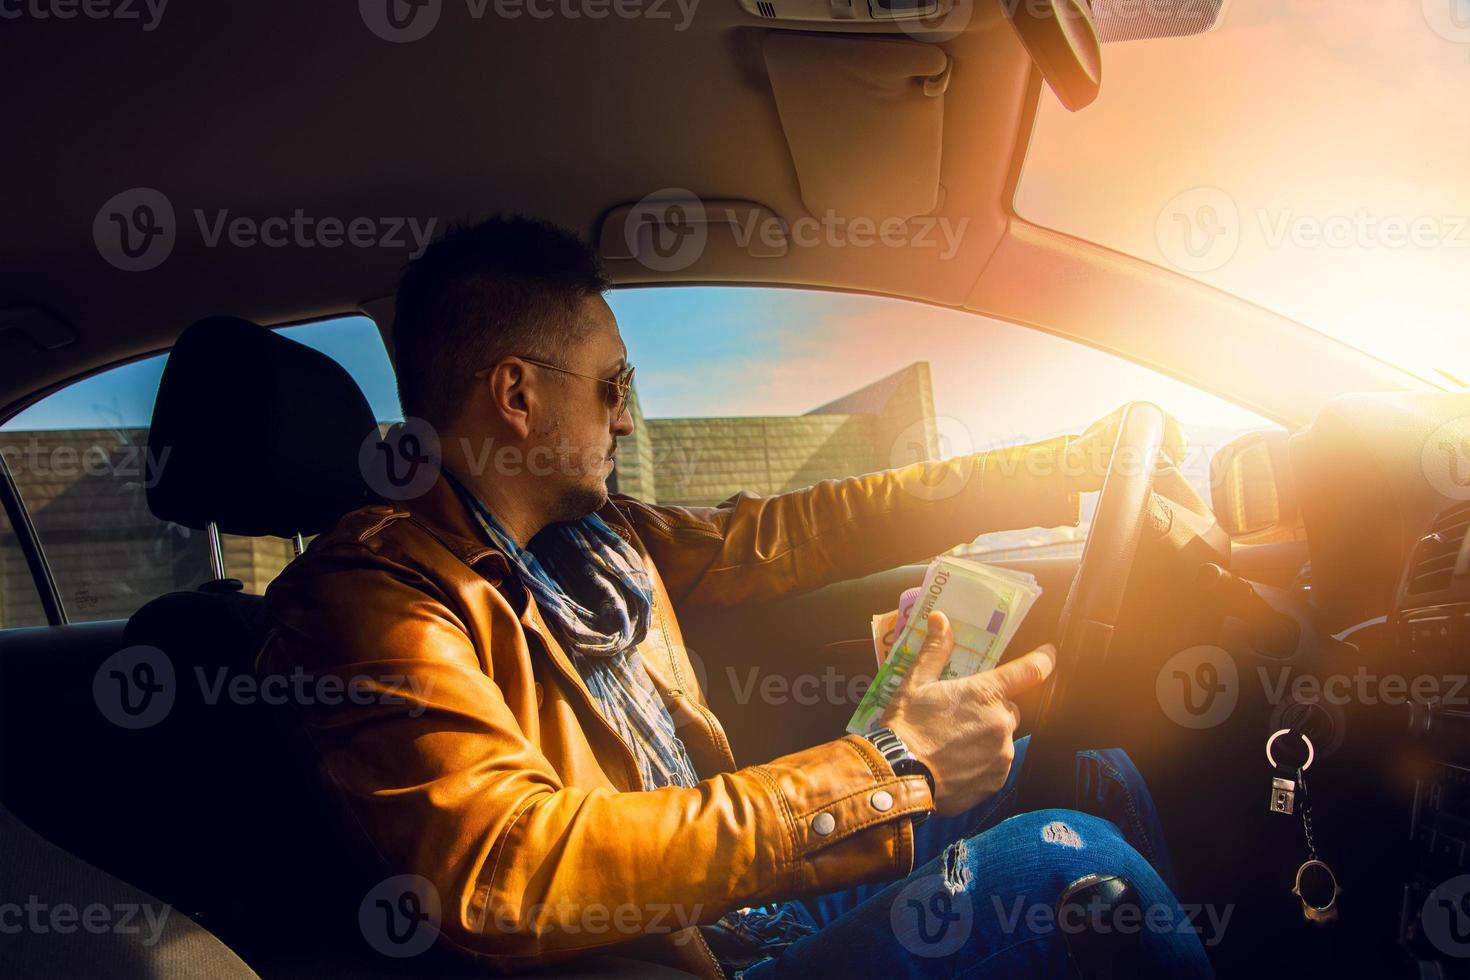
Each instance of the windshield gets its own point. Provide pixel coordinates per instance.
(1307, 156)
(768, 390)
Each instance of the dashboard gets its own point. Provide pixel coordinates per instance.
(1383, 484)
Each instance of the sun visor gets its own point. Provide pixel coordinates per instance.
(864, 120)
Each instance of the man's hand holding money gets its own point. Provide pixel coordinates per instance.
(962, 728)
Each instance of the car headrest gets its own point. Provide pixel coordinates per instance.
(255, 432)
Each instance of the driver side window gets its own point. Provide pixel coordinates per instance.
(770, 390)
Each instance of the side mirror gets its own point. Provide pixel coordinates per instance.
(1251, 489)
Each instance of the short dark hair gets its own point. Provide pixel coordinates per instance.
(504, 286)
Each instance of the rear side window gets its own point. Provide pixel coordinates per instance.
(20, 600)
(79, 460)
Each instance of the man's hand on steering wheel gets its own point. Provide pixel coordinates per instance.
(1089, 455)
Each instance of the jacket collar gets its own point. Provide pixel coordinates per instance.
(442, 513)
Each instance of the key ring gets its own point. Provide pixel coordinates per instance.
(1311, 751)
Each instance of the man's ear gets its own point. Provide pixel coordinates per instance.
(508, 386)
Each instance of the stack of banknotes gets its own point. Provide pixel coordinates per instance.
(985, 605)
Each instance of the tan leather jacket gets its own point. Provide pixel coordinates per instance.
(487, 769)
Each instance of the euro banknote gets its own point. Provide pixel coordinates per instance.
(985, 605)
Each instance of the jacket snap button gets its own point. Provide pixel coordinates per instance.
(823, 824)
(882, 801)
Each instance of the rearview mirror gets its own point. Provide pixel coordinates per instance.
(1250, 485)
(1061, 38)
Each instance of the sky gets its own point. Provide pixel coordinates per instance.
(1303, 136)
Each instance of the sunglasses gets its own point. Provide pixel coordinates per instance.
(617, 389)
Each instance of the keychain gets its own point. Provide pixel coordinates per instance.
(1316, 884)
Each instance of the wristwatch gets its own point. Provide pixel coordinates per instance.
(901, 760)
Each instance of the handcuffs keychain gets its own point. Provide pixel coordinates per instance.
(1316, 885)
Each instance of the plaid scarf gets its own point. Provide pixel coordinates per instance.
(595, 594)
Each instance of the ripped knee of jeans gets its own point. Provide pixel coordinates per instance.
(1060, 833)
(956, 873)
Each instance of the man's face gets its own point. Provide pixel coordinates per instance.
(579, 428)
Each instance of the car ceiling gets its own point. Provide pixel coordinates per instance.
(269, 107)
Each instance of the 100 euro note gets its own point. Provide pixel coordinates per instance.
(985, 606)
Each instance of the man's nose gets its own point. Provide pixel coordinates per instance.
(623, 424)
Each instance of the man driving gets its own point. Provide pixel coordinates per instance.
(551, 771)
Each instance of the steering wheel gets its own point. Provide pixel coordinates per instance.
(1090, 614)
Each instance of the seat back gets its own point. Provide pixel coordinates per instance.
(231, 793)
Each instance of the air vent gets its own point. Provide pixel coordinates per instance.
(766, 9)
(1437, 556)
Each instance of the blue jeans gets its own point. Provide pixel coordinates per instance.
(983, 899)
